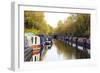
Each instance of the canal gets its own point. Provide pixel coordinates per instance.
(60, 51)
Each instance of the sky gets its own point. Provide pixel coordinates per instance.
(53, 18)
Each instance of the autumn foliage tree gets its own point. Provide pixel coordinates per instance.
(34, 22)
(76, 25)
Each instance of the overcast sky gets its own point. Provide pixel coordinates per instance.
(53, 18)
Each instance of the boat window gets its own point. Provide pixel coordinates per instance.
(35, 40)
(32, 39)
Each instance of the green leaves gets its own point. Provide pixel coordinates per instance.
(34, 22)
(77, 25)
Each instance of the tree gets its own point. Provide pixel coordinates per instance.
(34, 22)
(76, 24)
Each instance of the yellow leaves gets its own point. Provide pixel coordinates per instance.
(39, 25)
(75, 24)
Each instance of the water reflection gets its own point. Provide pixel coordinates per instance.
(65, 50)
(70, 52)
(59, 51)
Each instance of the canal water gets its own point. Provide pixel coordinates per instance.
(60, 51)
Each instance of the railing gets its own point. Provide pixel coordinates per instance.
(77, 42)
